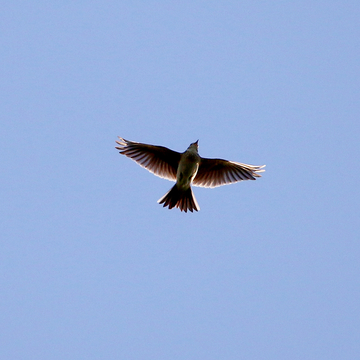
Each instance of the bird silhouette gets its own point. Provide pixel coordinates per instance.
(187, 168)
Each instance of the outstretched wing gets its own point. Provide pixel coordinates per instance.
(217, 172)
(159, 160)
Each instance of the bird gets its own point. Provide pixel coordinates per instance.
(186, 169)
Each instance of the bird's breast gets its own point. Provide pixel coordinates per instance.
(187, 169)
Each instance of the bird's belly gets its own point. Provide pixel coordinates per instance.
(187, 170)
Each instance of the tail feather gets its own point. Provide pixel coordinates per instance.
(182, 199)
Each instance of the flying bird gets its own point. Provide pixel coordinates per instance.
(187, 168)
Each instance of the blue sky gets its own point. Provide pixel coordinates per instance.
(92, 267)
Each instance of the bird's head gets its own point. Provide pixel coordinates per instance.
(194, 146)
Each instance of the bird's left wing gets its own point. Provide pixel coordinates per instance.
(217, 172)
(159, 160)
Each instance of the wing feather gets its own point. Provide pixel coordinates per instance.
(159, 160)
(217, 172)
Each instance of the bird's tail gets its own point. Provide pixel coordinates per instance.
(182, 199)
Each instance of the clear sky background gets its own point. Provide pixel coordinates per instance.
(92, 267)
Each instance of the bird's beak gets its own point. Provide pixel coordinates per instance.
(196, 142)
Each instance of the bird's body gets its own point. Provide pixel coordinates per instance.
(187, 169)
(188, 166)
(181, 195)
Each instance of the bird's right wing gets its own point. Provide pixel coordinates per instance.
(217, 172)
(159, 160)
